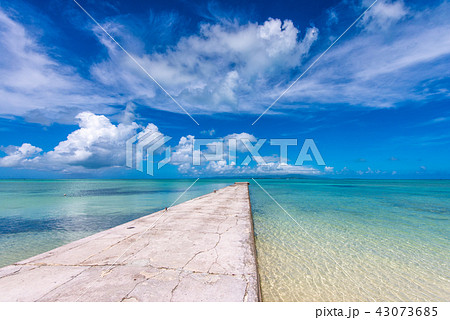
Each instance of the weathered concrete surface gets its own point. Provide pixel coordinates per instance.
(200, 250)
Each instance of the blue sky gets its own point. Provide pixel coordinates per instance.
(376, 104)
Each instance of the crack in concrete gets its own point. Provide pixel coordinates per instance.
(176, 286)
(14, 272)
(215, 250)
(129, 292)
(109, 247)
(182, 268)
(245, 298)
(73, 277)
(130, 265)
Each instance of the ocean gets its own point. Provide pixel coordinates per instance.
(356, 240)
(331, 240)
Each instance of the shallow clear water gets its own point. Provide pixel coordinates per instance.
(356, 240)
(35, 216)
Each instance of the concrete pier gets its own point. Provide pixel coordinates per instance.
(199, 250)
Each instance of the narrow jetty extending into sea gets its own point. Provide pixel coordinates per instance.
(200, 250)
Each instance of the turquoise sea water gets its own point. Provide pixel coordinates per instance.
(356, 240)
(352, 240)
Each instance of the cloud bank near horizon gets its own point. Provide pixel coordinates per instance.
(99, 144)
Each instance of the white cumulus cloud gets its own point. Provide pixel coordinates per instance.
(98, 143)
(16, 156)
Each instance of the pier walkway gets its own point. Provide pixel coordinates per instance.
(200, 250)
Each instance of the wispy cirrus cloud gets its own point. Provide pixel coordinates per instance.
(213, 71)
(384, 15)
(383, 66)
(35, 84)
(208, 71)
(394, 55)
